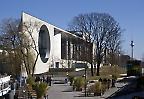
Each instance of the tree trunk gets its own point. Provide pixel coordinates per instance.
(98, 68)
(92, 72)
(33, 68)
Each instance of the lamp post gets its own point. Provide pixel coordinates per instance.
(132, 45)
(20, 76)
(85, 79)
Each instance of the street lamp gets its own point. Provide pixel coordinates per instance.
(20, 75)
(85, 79)
(132, 45)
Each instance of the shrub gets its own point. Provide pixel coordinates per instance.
(105, 84)
(52, 70)
(78, 83)
(30, 84)
(91, 89)
(71, 79)
(103, 88)
(133, 68)
(30, 80)
(98, 88)
(40, 89)
(140, 82)
(111, 70)
(114, 77)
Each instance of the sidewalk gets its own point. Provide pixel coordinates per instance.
(64, 91)
(113, 90)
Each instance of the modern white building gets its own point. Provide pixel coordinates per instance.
(57, 48)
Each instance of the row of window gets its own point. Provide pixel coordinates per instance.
(76, 51)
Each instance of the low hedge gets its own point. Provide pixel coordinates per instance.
(78, 83)
(71, 79)
(140, 82)
(98, 89)
(40, 88)
(61, 70)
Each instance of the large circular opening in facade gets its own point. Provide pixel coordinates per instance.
(44, 43)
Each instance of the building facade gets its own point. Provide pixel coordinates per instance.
(57, 48)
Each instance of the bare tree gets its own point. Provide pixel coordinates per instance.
(18, 44)
(29, 28)
(114, 47)
(97, 28)
(9, 42)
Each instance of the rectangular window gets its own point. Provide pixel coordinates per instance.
(57, 64)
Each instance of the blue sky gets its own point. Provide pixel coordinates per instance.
(128, 13)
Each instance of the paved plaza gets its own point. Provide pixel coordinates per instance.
(64, 91)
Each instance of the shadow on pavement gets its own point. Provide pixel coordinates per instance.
(125, 90)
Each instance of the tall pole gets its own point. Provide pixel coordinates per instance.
(85, 80)
(132, 45)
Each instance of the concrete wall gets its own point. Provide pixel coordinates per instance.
(53, 49)
(55, 41)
